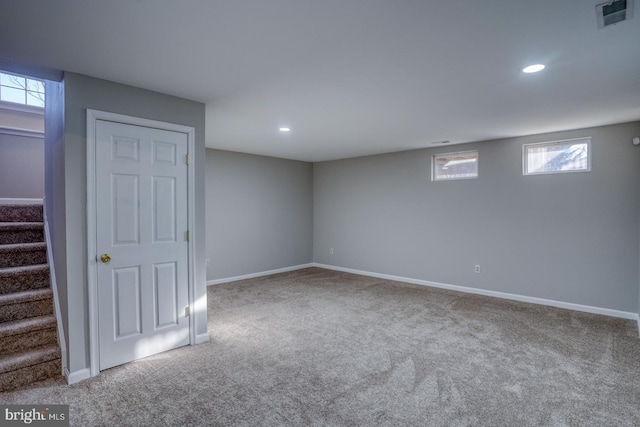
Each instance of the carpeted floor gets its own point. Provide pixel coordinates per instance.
(321, 348)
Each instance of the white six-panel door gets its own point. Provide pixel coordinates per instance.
(141, 241)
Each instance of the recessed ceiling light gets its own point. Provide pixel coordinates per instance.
(533, 68)
(285, 130)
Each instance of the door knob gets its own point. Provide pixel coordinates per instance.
(105, 258)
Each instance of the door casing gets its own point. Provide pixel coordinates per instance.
(92, 256)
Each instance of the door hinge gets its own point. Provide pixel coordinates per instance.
(187, 311)
(187, 159)
(188, 235)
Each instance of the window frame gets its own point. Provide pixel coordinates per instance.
(525, 157)
(23, 106)
(434, 177)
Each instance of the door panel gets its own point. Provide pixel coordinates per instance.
(125, 202)
(127, 313)
(141, 193)
(164, 212)
(164, 153)
(166, 291)
(126, 149)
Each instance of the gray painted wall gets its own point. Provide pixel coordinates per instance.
(567, 237)
(69, 189)
(54, 204)
(21, 166)
(259, 213)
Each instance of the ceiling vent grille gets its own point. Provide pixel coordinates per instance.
(613, 12)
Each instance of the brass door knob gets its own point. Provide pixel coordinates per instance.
(105, 258)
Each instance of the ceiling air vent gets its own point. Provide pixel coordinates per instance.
(613, 12)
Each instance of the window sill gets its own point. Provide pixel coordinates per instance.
(12, 106)
(21, 132)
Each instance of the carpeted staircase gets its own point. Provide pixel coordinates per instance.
(29, 348)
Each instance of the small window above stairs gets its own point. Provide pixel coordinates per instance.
(29, 348)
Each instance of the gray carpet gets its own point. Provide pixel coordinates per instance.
(320, 348)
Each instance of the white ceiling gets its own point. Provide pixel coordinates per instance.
(350, 77)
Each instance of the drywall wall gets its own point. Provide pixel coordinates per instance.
(259, 213)
(54, 204)
(21, 165)
(21, 152)
(82, 93)
(12, 118)
(565, 237)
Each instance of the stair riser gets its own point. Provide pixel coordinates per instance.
(20, 213)
(10, 237)
(28, 340)
(19, 259)
(24, 376)
(11, 312)
(25, 282)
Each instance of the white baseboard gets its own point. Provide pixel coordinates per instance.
(503, 295)
(77, 376)
(20, 201)
(260, 274)
(202, 338)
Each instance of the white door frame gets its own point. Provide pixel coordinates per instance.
(92, 257)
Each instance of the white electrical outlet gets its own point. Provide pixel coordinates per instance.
(477, 269)
(208, 262)
(330, 251)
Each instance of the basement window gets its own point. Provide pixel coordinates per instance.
(571, 155)
(21, 90)
(460, 165)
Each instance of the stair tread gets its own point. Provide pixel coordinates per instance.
(23, 247)
(25, 296)
(30, 357)
(14, 271)
(29, 324)
(21, 225)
